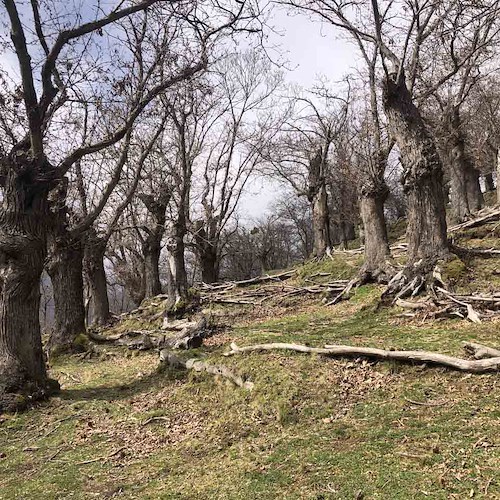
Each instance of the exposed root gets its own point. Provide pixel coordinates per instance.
(200, 366)
(475, 252)
(380, 274)
(187, 335)
(460, 364)
(412, 280)
(21, 395)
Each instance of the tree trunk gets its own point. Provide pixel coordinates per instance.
(488, 182)
(422, 177)
(151, 251)
(498, 177)
(321, 223)
(377, 254)
(95, 274)
(474, 193)
(209, 265)
(65, 268)
(458, 166)
(24, 219)
(176, 251)
(206, 249)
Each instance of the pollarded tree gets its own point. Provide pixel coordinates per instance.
(236, 128)
(43, 146)
(400, 46)
(299, 156)
(455, 64)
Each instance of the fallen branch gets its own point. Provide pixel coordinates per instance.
(480, 351)
(200, 366)
(465, 365)
(98, 459)
(190, 336)
(474, 252)
(490, 217)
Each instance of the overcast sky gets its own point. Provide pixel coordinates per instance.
(313, 50)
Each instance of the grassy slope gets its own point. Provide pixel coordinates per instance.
(312, 428)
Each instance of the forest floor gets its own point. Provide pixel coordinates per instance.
(311, 428)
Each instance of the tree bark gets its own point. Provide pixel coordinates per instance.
(422, 177)
(321, 223)
(95, 274)
(498, 176)
(178, 289)
(65, 268)
(24, 219)
(318, 197)
(474, 193)
(377, 253)
(151, 251)
(206, 250)
(457, 166)
(488, 182)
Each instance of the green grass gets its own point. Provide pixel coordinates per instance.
(312, 428)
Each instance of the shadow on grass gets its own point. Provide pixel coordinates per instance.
(158, 379)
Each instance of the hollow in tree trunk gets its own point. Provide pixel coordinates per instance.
(488, 182)
(422, 182)
(95, 275)
(24, 219)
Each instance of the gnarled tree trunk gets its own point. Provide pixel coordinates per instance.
(95, 275)
(24, 219)
(457, 166)
(65, 268)
(318, 197)
(320, 222)
(423, 174)
(423, 184)
(206, 250)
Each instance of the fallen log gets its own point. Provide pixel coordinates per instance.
(480, 351)
(190, 337)
(464, 365)
(485, 219)
(200, 366)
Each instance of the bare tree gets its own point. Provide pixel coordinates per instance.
(299, 156)
(465, 31)
(237, 126)
(36, 162)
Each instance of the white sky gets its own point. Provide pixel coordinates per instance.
(313, 51)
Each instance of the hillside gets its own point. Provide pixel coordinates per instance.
(312, 427)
